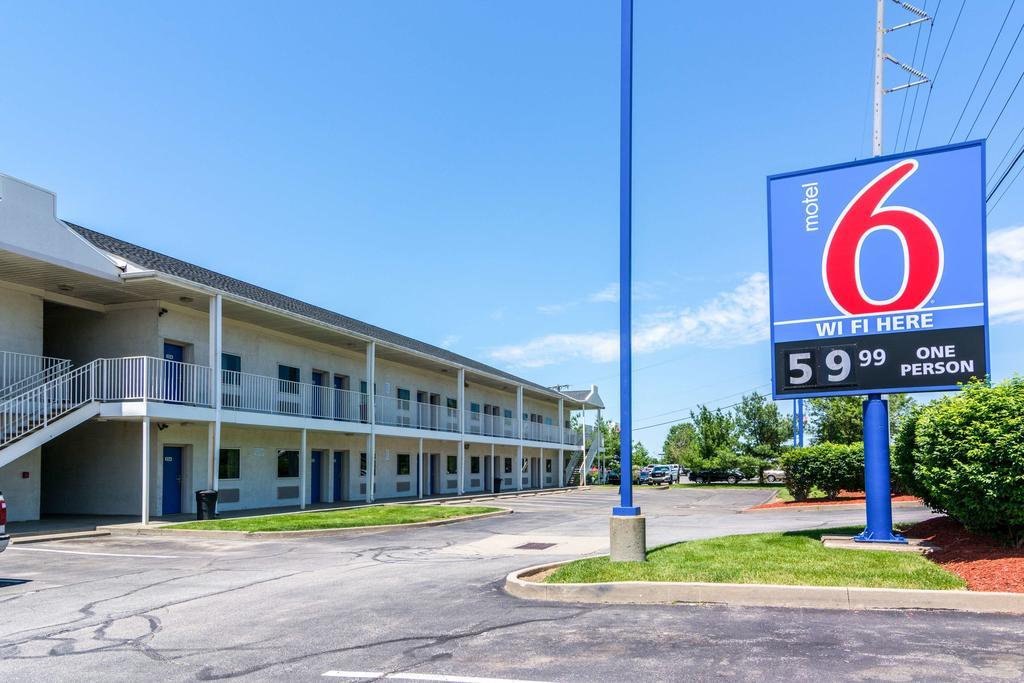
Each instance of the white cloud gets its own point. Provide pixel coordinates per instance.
(1006, 274)
(642, 291)
(733, 318)
(608, 294)
(555, 309)
(450, 341)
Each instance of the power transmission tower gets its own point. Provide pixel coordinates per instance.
(881, 57)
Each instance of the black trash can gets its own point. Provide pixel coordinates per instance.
(497, 484)
(206, 503)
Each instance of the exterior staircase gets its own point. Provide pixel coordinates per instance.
(572, 470)
(48, 407)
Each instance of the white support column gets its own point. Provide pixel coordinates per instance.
(494, 468)
(460, 468)
(519, 467)
(519, 412)
(216, 349)
(599, 435)
(145, 470)
(371, 441)
(561, 467)
(583, 445)
(543, 468)
(561, 421)
(419, 470)
(303, 466)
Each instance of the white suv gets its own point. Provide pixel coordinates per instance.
(4, 537)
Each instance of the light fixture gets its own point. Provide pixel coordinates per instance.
(65, 288)
(185, 299)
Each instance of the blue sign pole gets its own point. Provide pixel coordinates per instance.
(796, 433)
(626, 507)
(800, 420)
(876, 473)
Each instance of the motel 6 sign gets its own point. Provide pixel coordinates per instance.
(878, 274)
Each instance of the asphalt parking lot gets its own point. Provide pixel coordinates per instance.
(422, 604)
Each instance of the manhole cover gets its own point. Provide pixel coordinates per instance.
(534, 546)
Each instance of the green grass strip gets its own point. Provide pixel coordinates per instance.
(338, 519)
(794, 558)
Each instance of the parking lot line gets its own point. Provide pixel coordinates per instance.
(82, 552)
(443, 678)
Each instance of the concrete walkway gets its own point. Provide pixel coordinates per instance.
(51, 526)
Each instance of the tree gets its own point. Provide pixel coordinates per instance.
(641, 456)
(680, 443)
(840, 419)
(761, 430)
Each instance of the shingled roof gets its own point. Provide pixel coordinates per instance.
(153, 260)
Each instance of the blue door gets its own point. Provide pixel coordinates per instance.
(172, 372)
(337, 476)
(318, 394)
(172, 480)
(314, 477)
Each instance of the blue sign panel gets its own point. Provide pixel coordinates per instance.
(878, 274)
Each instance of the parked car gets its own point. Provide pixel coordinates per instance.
(676, 472)
(612, 477)
(708, 476)
(644, 477)
(4, 536)
(661, 474)
(773, 476)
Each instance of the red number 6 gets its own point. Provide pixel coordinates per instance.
(922, 248)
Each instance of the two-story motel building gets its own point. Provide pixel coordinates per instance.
(130, 379)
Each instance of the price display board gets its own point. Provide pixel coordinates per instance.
(877, 274)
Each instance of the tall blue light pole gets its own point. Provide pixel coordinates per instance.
(627, 526)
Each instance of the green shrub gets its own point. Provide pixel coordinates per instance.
(964, 455)
(829, 466)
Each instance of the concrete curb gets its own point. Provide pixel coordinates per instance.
(303, 533)
(841, 506)
(758, 595)
(59, 536)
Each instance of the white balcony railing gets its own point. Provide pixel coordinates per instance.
(262, 394)
(399, 412)
(143, 378)
(20, 372)
(491, 425)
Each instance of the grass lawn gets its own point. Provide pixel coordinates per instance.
(790, 558)
(338, 519)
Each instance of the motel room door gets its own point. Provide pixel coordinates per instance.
(172, 480)
(339, 475)
(315, 471)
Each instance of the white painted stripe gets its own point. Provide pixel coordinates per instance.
(443, 678)
(81, 552)
(353, 674)
(875, 315)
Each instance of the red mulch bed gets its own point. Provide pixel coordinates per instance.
(845, 498)
(985, 564)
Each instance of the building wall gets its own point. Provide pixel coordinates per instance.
(21, 493)
(96, 469)
(21, 322)
(83, 335)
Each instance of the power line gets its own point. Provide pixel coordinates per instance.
(924, 61)
(1006, 154)
(1008, 98)
(928, 99)
(689, 419)
(1002, 178)
(980, 73)
(906, 91)
(993, 86)
(1012, 181)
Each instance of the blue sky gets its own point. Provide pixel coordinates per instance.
(448, 169)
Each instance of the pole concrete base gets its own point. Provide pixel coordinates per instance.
(628, 538)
